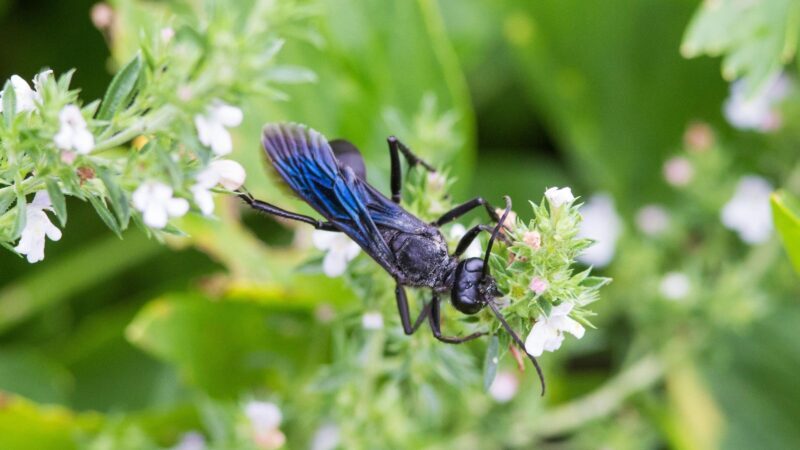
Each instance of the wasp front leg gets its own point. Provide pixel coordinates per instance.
(436, 326)
(273, 210)
(395, 148)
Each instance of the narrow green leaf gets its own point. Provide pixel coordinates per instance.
(19, 222)
(65, 80)
(58, 201)
(106, 215)
(9, 103)
(5, 200)
(119, 201)
(786, 214)
(490, 362)
(121, 87)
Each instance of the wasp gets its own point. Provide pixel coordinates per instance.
(331, 177)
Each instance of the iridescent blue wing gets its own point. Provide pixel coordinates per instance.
(305, 161)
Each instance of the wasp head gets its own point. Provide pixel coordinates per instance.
(472, 288)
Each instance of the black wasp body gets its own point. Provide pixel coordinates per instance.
(331, 178)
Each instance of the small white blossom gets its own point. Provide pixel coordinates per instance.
(339, 249)
(230, 174)
(191, 440)
(37, 226)
(675, 286)
(436, 182)
(167, 34)
(758, 111)
(211, 126)
(558, 197)
(372, 320)
(678, 171)
(748, 212)
(154, 200)
(602, 224)
(538, 285)
(533, 239)
(326, 438)
(504, 387)
(26, 98)
(457, 231)
(73, 133)
(265, 418)
(652, 220)
(548, 332)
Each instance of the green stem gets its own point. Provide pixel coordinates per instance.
(157, 121)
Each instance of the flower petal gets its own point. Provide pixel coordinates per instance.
(334, 264)
(535, 342)
(228, 115)
(177, 207)
(83, 141)
(155, 216)
(221, 143)
(231, 173)
(203, 199)
(323, 240)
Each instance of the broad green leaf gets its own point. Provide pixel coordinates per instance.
(786, 214)
(9, 103)
(58, 200)
(756, 39)
(31, 374)
(105, 215)
(77, 272)
(26, 425)
(119, 201)
(223, 347)
(121, 88)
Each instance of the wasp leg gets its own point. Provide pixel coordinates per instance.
(436, 326)
(466, 207)
(470, 236)
(279, 212)
(405, 317)
(395, 148)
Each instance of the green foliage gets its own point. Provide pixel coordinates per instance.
(786, 213)
(755, 39)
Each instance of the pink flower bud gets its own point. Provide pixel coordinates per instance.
(538, 285)
(533, 239)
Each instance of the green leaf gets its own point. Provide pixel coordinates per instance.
(786, 214)
(756, 39)
(121, 87)
(9, 103)
(5, 200)
(26, 425)
(490, 362)
(105, 215)
(57, 198)
(19, 222)
(119, 201)
(65, 80)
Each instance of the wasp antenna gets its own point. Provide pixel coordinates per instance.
(495, 232)
(518, 341)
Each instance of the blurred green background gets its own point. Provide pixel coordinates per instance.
(115, 343)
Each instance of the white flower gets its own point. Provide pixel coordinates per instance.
(191, 441)
(602, 224)
(326, 438)
(675, 286)
(154, 200)
(748, 211)
(372, 320)
(26, 98)
(340, 251)
(558, 197)
(73, 133)
(758, 111)
(211, 126)
(548, 332)
(230, 174)
(533, 239)
(504, 387)
(538, 285)
(678, 171)
(652, 220)
(265, 418)
(37, 226)
(457, 231)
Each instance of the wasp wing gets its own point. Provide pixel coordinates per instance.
(305, 161)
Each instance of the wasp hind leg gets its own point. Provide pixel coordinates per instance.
(435, 319)
(273, 210)
(395, 148)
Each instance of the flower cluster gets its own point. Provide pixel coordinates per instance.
(545, 294)
(150, 150)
